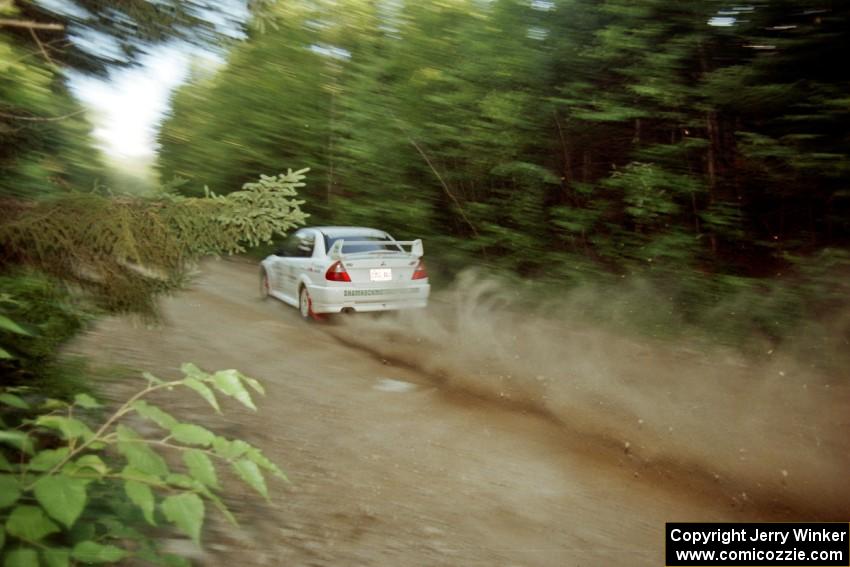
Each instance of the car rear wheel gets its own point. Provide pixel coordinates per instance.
(305, 305)
(265, 287)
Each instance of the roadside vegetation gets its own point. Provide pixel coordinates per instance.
(76, 482)
(82, 482)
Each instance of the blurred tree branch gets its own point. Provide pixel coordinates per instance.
(42, 118)
(26, 24)
(41, 47)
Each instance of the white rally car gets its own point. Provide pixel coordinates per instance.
(334, 269)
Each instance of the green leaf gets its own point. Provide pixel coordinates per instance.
(51, 404)
(116, 525)
(200, 467)
(70, 427)
(2, 537)
(17, 439)
(9, 490)
(8, 325)
(255, 384)
(56, 557)
(251, 474)
(86, 401)
(138, 454)
(92, 552)
(186, 511)
(5, 465)
(193, 434)
(153, 413)
(183, 481)
(141, 495)
(255, 455)
(229, 449)
(204, 392)
(13, 400)
(190, 370)
(4, 354)
(63, 497)
(47, 459)
(130, 473)
(30, 523)
(221, 507)
(151, 378)
(92, 462)
(228, 383)
(22, 557)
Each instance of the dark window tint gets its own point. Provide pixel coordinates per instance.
(299, 245)
(304, 245)
(380, 243)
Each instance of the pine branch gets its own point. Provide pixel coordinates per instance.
(26, 24)
(128, 249)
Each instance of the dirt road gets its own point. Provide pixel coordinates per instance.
(388, 468)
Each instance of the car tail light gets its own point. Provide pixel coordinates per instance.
(420, 273)
(337, 273)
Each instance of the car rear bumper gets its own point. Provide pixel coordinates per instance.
(371, 298)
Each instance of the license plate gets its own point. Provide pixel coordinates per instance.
(381, 274)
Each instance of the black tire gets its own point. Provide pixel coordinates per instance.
(305, 304)
(264, 285)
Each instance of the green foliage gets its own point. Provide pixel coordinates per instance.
(126, 250)
(75, 488)
(571, 141)
(62, 465)
(37, 316)
(44, 137)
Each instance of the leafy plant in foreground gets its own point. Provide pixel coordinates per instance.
(74, 489)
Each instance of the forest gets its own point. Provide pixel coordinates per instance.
(681, 167)
(699, 146)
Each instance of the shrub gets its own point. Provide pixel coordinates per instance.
(77, 488)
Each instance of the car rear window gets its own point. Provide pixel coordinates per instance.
(355, 248)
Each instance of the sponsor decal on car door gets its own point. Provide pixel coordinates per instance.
(277, 275)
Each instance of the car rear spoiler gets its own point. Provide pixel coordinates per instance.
(416, 248)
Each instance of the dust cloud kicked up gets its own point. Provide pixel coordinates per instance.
(768, 431)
